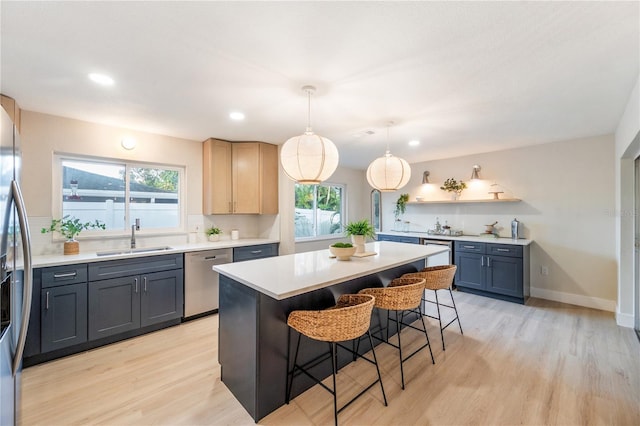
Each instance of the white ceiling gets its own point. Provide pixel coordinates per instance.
(462, 78)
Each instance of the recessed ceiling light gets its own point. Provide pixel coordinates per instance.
(236, 116)
(414, 143)
(101, 79)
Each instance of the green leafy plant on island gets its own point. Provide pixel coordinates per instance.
(452, 185)
(69, 227)
(361, 227)
(401, 205)
(342, 245)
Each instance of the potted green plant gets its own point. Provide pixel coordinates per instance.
(342, 251)
(453, 186)
(69, 227)
(359, 231)
(401, 207)
(213, 233)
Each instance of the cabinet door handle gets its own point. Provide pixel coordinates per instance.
(469, 247)
(66, 275)
(482, 260)
(230, 208)
(235, 206)
(135, 281)
(501, 249)
(256, 251)
(144, 281)
(488, 262)
(46, 303)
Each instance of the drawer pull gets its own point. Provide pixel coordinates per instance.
(256, 251)
(66, 275)
(469, 247)
(501, 249)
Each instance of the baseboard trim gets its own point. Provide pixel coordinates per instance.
(624, 320)
(574, 299)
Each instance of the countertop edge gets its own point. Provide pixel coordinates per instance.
(44, 261)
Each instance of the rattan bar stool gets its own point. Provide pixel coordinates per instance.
(438, 278)
(349, 319)
(401, 295)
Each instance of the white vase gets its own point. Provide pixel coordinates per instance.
(214, 237)
(358, 241)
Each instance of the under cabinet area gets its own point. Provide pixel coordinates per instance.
(239, 177)
(495, 270)
(79, 307)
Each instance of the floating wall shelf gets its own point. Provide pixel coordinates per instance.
(490, 200)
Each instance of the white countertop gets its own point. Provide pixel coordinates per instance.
(290, 275)
(475, 238)
(61, 259)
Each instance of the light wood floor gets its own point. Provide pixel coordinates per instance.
(544, 363)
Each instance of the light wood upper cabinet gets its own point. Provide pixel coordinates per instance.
(240, 177)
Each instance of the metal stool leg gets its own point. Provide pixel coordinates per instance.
(335, 391)
(455, 309)
(400, 350)
(293, 369)
(439, 318)
(375, 360)
(433, 361)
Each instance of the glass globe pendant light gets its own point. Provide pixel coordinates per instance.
(388, 173)
(309, 158)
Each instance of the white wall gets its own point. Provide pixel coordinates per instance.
(627, 148)
(567, 208)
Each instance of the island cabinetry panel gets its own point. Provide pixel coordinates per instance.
(131, 300)
(63, 307)
(494, 270)
(240, 177)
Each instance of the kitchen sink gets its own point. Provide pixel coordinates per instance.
(133, 251)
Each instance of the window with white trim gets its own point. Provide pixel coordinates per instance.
(118, 192)
(319, 211)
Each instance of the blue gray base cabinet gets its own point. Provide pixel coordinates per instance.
(63, 297)
(260, 251)
(80, 307)
(399, 238)
(500, 271)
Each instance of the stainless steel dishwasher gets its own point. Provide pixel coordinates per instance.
(201, 281)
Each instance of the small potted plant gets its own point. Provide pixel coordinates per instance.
(213, 234)
(453, 186)
(69, 227)
(401, 207)
(359, 231)
(342, 251)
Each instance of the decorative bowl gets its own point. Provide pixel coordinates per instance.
(342, 253)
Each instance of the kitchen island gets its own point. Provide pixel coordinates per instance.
(257, 296)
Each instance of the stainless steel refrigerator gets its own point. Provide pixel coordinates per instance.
(15, 272)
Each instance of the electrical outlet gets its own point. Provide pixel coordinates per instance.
(544, 270)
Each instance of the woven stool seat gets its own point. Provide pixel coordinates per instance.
(349, 319)
(438, 278)
(401, 295)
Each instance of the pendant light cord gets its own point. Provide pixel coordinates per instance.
(309, 110)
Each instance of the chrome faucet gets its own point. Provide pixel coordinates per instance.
(134, 228)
